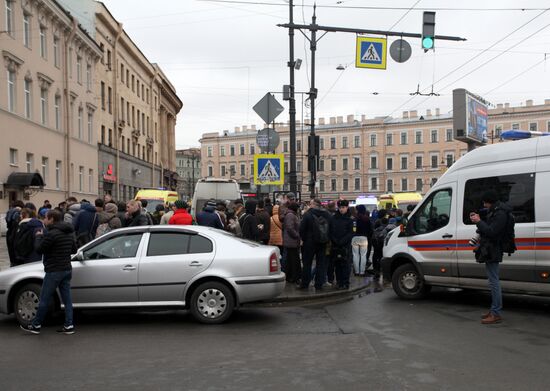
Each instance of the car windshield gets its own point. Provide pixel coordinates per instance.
(152, 204)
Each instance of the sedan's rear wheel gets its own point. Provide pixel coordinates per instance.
(26, 303)
(212, 303)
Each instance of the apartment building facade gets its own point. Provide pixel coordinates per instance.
(137, 110)
(188, 167)
(47, 105)
(366, 156)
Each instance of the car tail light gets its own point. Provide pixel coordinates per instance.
(273, 263)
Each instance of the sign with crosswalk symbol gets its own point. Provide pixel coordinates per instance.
(371, 52)
(268, 169)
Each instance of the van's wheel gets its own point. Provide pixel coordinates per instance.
(25, 303)
(408, 283)
(212, 303)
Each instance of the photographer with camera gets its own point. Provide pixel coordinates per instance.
(492, 232)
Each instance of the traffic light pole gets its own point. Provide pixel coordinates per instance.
(313, 28)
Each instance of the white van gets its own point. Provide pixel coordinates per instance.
(214, 188)
(433, 249)
(370, 202)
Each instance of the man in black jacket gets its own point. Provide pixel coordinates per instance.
(134, 217)
(264, 222)
(491, 232)
(56, 244)
(314, 244)
(249, 222)
(341, 233)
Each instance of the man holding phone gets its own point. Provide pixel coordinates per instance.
(491, 231)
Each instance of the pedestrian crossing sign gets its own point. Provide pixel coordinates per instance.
(371, 52)
(269, 169)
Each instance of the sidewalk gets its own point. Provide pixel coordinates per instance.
(290, 294)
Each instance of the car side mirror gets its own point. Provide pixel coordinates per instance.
(79, 256)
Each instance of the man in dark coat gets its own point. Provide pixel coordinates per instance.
(57, 244)
(12, 222)
(208, 216)
(249, 222)
(314, 246)
(134, 217)
(264, 222)
(341, 233)
(491, 232)
(85, 223)
(25, 238)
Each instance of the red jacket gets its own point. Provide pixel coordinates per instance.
(181, 217)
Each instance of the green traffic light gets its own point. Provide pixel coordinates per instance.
(427, 43)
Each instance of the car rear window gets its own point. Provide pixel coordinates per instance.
(174, 243)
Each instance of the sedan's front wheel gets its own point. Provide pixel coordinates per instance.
(212, 303)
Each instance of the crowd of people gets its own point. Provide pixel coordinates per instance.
(318, 243)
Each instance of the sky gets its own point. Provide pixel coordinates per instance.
(224, 56)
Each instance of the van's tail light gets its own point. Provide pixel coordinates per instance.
(273, 263)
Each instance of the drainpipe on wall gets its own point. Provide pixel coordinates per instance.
(68, 113)
(152, 111)
(118, 134)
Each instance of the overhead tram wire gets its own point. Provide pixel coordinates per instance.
(516, 76)
(405, 14)
(478, 55)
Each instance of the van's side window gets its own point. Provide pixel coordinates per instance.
(433, 214)
(517, 190)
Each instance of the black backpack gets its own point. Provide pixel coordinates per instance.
(24, 241)
(508, 238)
(320, 229)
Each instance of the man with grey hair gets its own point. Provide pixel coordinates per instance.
(168, 215)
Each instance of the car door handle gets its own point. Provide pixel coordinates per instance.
(446, 236)
(129, 268)
(195, 263)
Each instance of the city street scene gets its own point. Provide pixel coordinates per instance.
(274, 194)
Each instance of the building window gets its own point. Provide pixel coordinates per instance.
(356, 163)
(374, 184)
(26, 30)
(332, 164)
(548, 126)
(243, 170)
(110, 101)
(80, 112)
(345, 164)
(127, 78)
(44, 106)
(404, 184)
(102, 137)
(102, 90)
(404, 162)
(433, 181)
(344, 184)
(449, 135)
(373, 140)
(57, 109)
(222, 151)
(434, 136)
(57, 174)
(322, 185)
(9, 17)
(79, 69)
(232, 150)
(418, 137)
(515, 126)
(13, 157)
(43, 42)
(298, 145)
(285, 168)
(434, 161)
(109, 59)
(333, 143)
(285, 146)
(90, 127)
(299, 166)
(344, 142)
(389, 185)
(357, 184)
(322, 142)
(210, 171)
(373, 162)
(418, 162)
(419, 185)
(357, 142)
(321, 165)
(333, 185)
(252, 149)
(88, 77)
(449, 160)
(45, 169)
(403, 138)
(91, 180)
(11, 90)
(498, 131)
(28, 100)
(241, 149)
(389, 163)
(56, 53)
(209, 152)
(222, 170)
(30, 162)
(389, 139)
(122, 73)
(533, 126)
(80, 178)
(133, 83)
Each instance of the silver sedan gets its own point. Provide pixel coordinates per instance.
(202, 269)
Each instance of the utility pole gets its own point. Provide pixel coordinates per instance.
(313, 152)
(292, 103)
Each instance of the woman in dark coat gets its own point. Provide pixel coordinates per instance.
(291, 243)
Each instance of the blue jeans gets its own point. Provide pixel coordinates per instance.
(494, 283)
(52, 281)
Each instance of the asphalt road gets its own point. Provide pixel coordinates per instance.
(373, 342)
